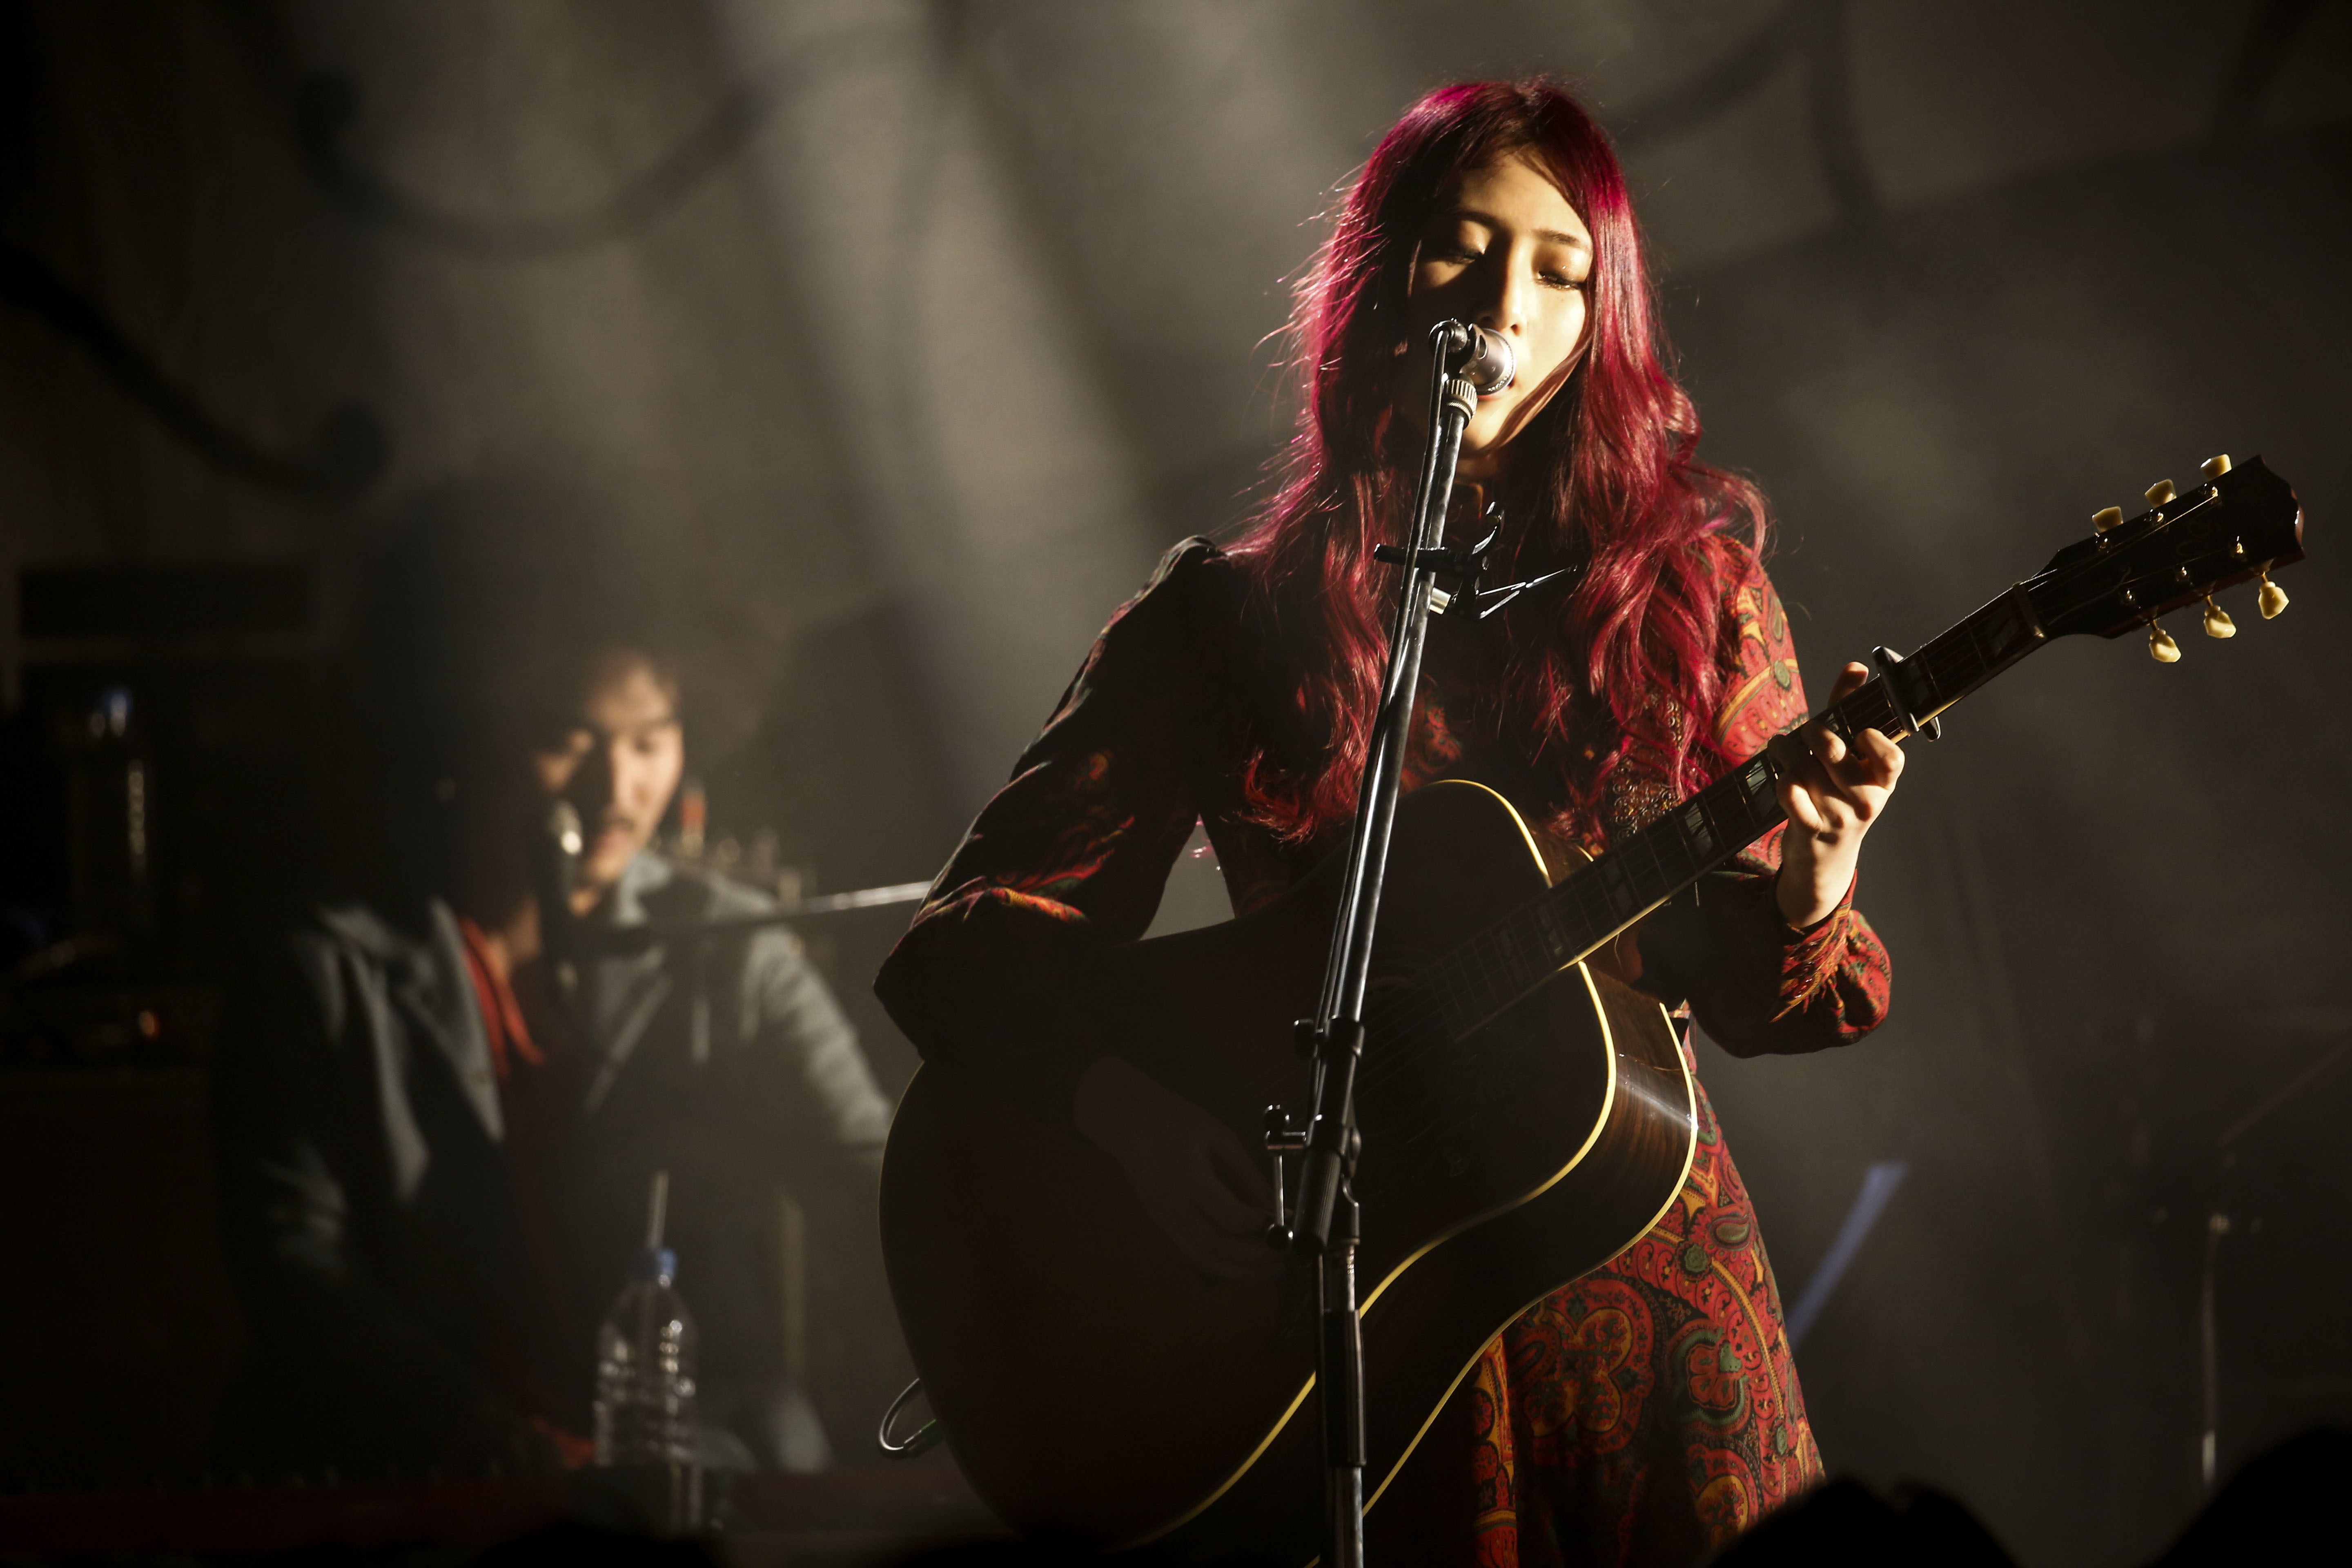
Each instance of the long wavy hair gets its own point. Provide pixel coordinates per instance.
(1606, 474)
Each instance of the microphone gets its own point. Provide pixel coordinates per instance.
(1481, 357)
(555, 875)
(560, 851)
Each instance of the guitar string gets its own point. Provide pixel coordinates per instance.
(2193, 540)
(1973, 649)
(1506, 970)
(1461, 990)
(1501, 953)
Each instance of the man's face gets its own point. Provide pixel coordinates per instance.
(618, 764)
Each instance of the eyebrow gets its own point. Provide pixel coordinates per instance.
(1557, 237)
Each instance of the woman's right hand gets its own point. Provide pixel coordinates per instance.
(1196, 1178)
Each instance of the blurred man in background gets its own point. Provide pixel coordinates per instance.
(439, 1101)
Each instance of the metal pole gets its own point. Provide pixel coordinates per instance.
(1327, 1222)
(2209, 1344)
(1343, 1403)
(1347, 968)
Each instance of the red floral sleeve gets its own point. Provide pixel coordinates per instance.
(1755, 983)
(1070, 856)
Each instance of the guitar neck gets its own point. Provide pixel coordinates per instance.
(1580, 914)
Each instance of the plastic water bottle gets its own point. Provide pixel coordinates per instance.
(644, 1359)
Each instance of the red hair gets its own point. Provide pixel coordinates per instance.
(1606, 473)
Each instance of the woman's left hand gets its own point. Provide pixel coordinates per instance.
(1833, 792)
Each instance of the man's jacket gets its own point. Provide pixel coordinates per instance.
(367, 1206)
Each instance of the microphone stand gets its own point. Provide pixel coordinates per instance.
(1327, 1222)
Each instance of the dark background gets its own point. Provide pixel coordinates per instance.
(916, 331)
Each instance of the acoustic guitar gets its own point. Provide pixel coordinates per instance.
(1525, 1117)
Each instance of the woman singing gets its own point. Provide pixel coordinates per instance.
(1650, 1410)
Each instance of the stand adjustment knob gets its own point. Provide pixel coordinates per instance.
(1284, 1134)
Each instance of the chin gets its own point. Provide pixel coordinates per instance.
(604, 869)
(1478, 456)
(1489, 428)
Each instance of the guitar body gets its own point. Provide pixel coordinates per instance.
(1095, 1385)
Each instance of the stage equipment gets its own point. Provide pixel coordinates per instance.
(555, 878)
(1466, 363)
(2220, 1225)
(1526, 1117)
(600, 939)
(1879, 1185)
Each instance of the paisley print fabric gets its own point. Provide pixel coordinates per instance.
(1646, 1414)
(1640, 1415)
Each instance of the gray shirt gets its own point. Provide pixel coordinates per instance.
(753, 997)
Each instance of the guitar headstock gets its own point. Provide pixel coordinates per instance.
(2243, 522)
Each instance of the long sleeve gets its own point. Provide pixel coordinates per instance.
(1069, 857)
(1756, 984)
(840, 1117)
(340, 1370)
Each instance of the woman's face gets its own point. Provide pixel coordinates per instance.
(1502, 249)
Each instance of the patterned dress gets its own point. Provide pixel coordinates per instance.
(1644, 1413)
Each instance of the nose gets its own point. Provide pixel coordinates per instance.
(1505, 294)
(596, 786)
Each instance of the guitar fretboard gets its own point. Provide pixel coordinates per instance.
(1496, 968)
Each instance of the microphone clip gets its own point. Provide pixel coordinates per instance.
(1459, 569)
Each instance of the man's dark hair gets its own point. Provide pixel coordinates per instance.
(480, 616)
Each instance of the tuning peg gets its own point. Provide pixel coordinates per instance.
(2218, 623)
(2160, 645)
(2215, 468)
(2271, 599)
(2160, 492)
(2106, 518)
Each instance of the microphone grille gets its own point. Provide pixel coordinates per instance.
(1491, 365)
